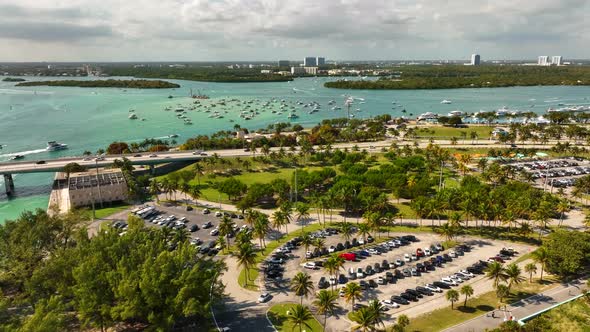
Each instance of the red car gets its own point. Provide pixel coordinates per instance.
(419, 252)
(349, 256)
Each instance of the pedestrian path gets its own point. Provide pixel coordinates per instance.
(523, 308)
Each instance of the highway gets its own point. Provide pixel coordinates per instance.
(56, 165)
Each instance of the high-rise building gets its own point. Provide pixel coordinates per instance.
(309, 61)
(284, 63)
(543, 60)
(556, 60)
(320, 61)
(475, 59)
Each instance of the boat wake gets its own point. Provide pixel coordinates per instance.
(22, 153)
(24, 92)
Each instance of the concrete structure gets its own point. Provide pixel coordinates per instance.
(8, 184)
(320, 61)
(284, 63)
(87, 188)
(475, 59)
(543, 61)
(311, 70)
(556, 60)
(266, 71)
(297, 70)
(309, 61)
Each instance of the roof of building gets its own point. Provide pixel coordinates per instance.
(105, 177)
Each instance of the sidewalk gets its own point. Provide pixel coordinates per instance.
(523, 308)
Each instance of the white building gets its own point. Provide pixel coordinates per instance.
(475, 59)
(297, 70)
(320, 61)
(543, 61)
(556, 60)
(311, 70)
(309, 61)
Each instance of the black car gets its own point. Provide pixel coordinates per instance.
(441, 284)
(208, 224)
(410, 238)
(363, 285)
(429, 266)
(407, 273)
(389, 277)
(409, 297)
(398, 274)
(447, 258)
(399, 300)
(204, 250)
(370, 239)
(319, 263)
(40, 162)
(413, 292)
(372, 283)
(273, 274)
(369, 270)
(424, 291)
(189, 208)
(212, 252)
(194, 228)
(323, 283)
(342, 279)
(354, 242)
(385, 265)
(340, 246)
(347, 245)
(377, 267)
(211, 244)
(420, 267)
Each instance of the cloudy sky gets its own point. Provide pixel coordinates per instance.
(206, 30)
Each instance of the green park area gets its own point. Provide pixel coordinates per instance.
(281, 316)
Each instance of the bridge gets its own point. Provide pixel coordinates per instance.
(7, 169)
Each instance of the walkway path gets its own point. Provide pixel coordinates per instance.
(522, 308)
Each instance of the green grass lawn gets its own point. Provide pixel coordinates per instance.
(405, 210)
(106, 211)
(571, 317)
(279, 318)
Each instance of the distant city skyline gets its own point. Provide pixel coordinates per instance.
(267, 30)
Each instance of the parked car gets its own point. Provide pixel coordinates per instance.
(433, 288)
(323, 283)
(208, 224)
(310, 265)
(388, 303)
(214, 232)
(441, 284)
(194, 228)
(264, 297)
(372, 283)
(424, 291)
(400, 300)
(364, 285)
(409, 297)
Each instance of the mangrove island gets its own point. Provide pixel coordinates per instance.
(128, 84)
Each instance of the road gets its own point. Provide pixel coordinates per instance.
(55, 165)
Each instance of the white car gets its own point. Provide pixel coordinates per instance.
(264, 297)
(453, 254)
(310, 265)
(214, 232)
(449, 281)
(433, 288)
(389, 304)
(331, 249)
(373, 251)
(218, 214)
(333, 281)
(361, 241)
(399, 262)
(457, 278)
(341, 292)
(407, 258)
(467, 273)
(427, 252)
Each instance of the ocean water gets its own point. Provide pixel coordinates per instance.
(91, 118)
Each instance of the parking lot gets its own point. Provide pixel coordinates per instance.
(199, 225)
(559, 173)
(412, 281)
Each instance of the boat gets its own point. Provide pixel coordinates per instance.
(172, 135)
(180, 109)
(446, 102)
(17, 157)
(132, 116)
(427, 116)
(55, 146)
(503, 111)
(455, 113)
(292, 116)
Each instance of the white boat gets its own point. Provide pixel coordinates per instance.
(292, 116)
(55, 146)
(455, 113)
(446, 102)
(132, 116)
(503, 111)
(427, 116)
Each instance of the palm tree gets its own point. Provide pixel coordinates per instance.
(495, 271)
(326, 304)
(226, 227)
(447, 231)
(352, 292)
(389, 219)
(300, 315)
(346, 230)
(199, 171)
(541, 256)
(466, 290)
(402, 322)
(319, 243)
(180, 235)
(513, 275)
(302, 285)
(246, 258)
(279, 219)
(194, 192)
(364, 319)
(155, 189)
(378, 311)
(452, 296)
(261, 228)
(530, 268)
(364, 231)
(562, 207)
(306, 241)
(302, 211)
(502, 291)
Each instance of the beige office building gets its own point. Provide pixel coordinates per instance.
(82, 189)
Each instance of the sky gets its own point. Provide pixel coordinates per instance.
(264, 30)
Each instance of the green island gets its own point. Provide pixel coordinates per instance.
(127, 84)
(13, 79)
(456, 77)
(208, 74)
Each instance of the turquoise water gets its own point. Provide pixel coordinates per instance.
(89, 119)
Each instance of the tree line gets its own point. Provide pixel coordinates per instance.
(110, 83)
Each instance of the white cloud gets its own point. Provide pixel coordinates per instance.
(270, 29)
